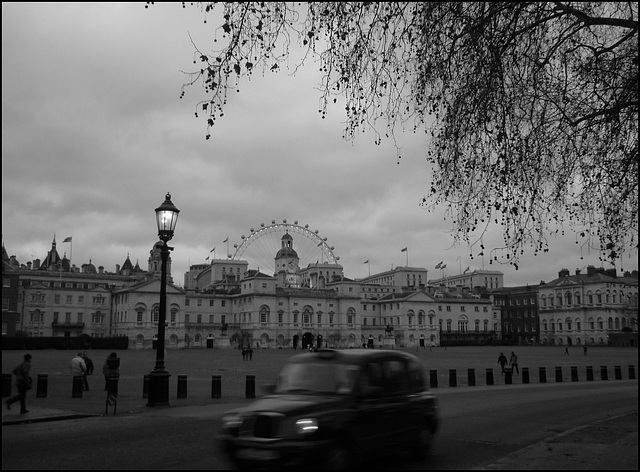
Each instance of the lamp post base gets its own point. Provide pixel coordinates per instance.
(158, 388)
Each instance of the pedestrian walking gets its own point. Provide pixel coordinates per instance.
(566, 351)
(89, 363)
(502, 360)
(584, 349)
(23, 382)
(111, 369)
(250, 353)
(514, 362)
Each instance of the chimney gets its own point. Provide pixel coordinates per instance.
(611, 273)
(29, 265)
(563, 273)
(591, 270)
(36, 264)
(117, 268)
(577, 271)
(101, 270)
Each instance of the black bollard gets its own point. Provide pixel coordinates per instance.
(604, 375)
(453, 379)
(508, 375)
(589, 373)
(78, 386)
(471, 377)
(215, 386)
(250, 388)
(182, 386)
(558, 373)
(618, 372)
(525, 375)
(574, 373)
(489, 376)
(145, 386)
(6, 385)
(433, 378)
(41, 389)
(632, 372)
(542, 373)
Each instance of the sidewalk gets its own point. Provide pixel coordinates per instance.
(93, 403)
(610, 444)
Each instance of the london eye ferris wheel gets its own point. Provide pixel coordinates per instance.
(261, 245)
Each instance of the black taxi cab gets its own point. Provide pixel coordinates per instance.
(330, 407)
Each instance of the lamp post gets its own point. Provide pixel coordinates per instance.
(166, 217)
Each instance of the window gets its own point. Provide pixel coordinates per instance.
(69, 298)
(264, 314)
(199, 318)
(199, 301)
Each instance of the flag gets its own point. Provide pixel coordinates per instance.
(213, 249)
(367, 261)
(403, 250)
(465, 271)
(439, 265)
(67, 240)
(207, 258)
(443, 266)
(226, 240)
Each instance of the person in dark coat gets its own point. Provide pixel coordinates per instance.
(23, 382)
(111, 369)
(89, 363)
(502, 360)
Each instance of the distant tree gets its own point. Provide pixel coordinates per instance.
(530, 109)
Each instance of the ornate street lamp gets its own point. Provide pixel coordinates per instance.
(167, 217)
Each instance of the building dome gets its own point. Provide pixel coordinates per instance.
(287, 248)
(286, 252)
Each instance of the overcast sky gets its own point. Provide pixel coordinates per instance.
(94, 135)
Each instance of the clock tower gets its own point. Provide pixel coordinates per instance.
(287, 264)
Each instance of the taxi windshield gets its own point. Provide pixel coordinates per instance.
(314, 378)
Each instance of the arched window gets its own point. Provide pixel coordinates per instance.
(463, 324)
(576, 297)
(306, 315)
(567, 297)
(264, 314)
(351, 315)
(559, 297)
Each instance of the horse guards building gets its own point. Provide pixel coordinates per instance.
(227, 304)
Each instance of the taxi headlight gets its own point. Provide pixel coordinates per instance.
(306, 425)
(231, 421)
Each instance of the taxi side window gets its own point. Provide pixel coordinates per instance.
(416, 377)
(394, 372)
